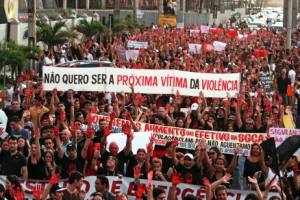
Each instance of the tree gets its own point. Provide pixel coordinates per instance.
(59, 33)
(90, 29)
(129, 23)
(16, 56)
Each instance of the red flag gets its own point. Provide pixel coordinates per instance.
(176, 178)
(140, 190)
(260, 53)
(208, 47)
(232, 33)
(54, 179)
(216, 31)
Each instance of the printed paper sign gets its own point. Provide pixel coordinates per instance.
(195, 48)
(132, 54)
(204, 29)
(137, 45)
(280, 134)
(219, 46)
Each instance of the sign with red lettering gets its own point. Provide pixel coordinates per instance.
(189, 138)
(280, 134)
(126, 185)
(147, 81)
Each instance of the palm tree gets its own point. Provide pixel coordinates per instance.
(121, 24)
(54, 35)
(15, 56)
(90, 29)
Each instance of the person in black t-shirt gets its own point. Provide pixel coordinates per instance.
(138, 159)
(36, 165)
(123, 156)
(283, 81)
(12, 161)
(167, 159)
(71, 162)
(189, 171)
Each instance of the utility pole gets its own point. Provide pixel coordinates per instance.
(117, 8)
(183, 10)
(289, 24)
(32, 27)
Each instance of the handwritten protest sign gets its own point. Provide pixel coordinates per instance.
(108, 79)
(280, 134)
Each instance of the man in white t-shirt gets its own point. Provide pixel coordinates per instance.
(9, 94)
(292, 75)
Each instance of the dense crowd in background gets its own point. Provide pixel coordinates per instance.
(51, 135)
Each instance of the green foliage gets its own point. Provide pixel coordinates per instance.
(90, 29)
(16, 56)
(125, 24)
(54, 35)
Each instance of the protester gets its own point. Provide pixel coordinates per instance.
(55, 132)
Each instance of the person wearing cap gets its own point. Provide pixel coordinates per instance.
(69, 161)
(55, 192)
(190, 172)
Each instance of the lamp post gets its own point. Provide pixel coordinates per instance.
(289, 24)
(32, 27)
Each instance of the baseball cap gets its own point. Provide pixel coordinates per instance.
(71, 146)
(189, 155)
(57, 188)
(194, 106)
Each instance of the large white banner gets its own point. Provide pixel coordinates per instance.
(147, 81)
(189, 138)
(126, 185)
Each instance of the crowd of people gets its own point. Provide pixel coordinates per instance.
(51, 136)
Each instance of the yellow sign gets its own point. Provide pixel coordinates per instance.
(11, 9)
(167, 19)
